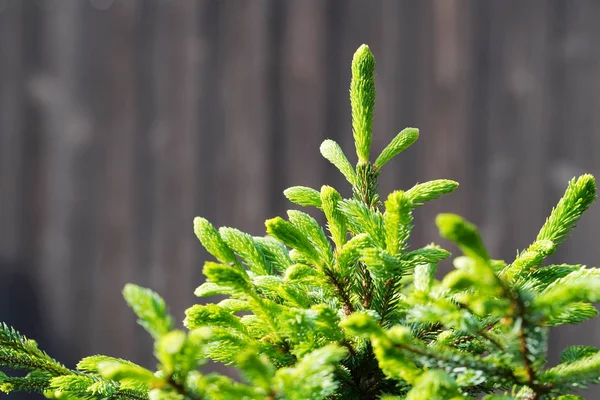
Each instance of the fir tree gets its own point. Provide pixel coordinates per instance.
(351, 311)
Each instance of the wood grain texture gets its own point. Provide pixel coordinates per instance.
(122, 120)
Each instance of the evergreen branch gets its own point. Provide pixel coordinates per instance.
(386, 304)
(21, 360)
(16, 351)
(464, 234)
(484, 332)
(521, 315)
(365, 285)
(93, 387)
(246, 248)
(580, 193)
(310, 228)
(574, 353)
(275, 252)
(293, 237)
(400, 143)
(303, 196)
(397, 221)
(573, 374)
(213, 242)
(150, 308)
(341, 288)
(32, 384)
(432, 190)
(336, 221)
(449, 360)
(362, 219)
(366, 187)
(332, 152)
(362, 100)
(387, 343)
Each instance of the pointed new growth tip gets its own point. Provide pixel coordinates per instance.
(401, 142)
(580, 194)
(335, 155)
(362, 100)
(463, 233)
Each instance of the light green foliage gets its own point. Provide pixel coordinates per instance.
(303, 196)
(115, 368)
(434, 385)
(463, 233)
(351, 310)
(574, 374)
(293, 237)
(398, 221)
(150, 308)
(362, 100)
(432, 190)
(312, 377)
(400, 143)
(246, 248)
(275, 252)
(333, 152)
(19, 352)
(212, 241)
(580, 193)
(574, 353)
(335, 219)
(362, 219)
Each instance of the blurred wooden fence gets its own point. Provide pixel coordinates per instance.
(122, 120)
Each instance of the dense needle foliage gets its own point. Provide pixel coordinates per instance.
(350, 311)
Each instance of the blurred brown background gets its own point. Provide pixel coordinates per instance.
(122, 120)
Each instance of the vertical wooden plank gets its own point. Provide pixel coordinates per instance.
(445, 108)
(242, 170)
(526, 82)
(31, 137)
(517, 124)
(275, 38)
(399, 69)
(574, 141)
(11, 138)
(303, 66)
(19, 299)
(112, 65)
(143, 155)
(210, 113)
(360, 26)
(144, 164)
(337, 82)
(513, 131)
(174, 139)
(573, 117)
(480, 76)
(210, 121)
(66, 133)
(351, 23)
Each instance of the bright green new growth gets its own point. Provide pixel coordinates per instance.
(350, 310)
(362, 100)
